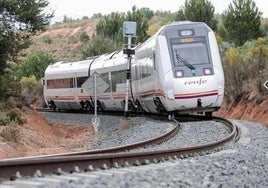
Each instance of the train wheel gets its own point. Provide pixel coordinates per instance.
(83, 105)
(52, 105)
(159, 106)
(208, 114)
(89, 106)
(137, 106)
(99, 106)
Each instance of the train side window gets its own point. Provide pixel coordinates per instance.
(147, 67)
(118, 77)
(81, 80)
(60, 83)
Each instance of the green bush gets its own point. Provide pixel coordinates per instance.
(83, 37)
(9, 87)
(4, 120)
(29, 87)
(28, 82)
(47, 39)
(35, 64)
(99, 45)
(245, 69)
(12, 115)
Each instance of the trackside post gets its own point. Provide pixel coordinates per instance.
(129, 32)
(95, 119)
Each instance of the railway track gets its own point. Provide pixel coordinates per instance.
(111, 157)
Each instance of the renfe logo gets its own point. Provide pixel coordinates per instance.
(196, 82)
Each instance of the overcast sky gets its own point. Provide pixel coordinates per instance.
(79, 8)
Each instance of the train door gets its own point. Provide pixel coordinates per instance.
(147, 86)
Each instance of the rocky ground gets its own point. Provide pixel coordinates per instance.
(38, 137)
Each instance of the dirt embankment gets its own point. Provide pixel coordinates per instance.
(38, 137)
(246, 110)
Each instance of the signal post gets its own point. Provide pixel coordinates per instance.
(129, 32)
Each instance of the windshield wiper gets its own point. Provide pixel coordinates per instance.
(184, 61)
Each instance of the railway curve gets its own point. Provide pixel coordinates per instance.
(111, 157)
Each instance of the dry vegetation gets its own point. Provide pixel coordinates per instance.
(62, 40)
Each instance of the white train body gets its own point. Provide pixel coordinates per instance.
(176, 70)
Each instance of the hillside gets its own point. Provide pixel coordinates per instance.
(62, 41)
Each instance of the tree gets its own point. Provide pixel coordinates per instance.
(199, 11)
(18, 21)
(141, 16)
(98, 45)
(233, 73)
(111, 26)
(256, 59)
(264, 26)
(34, 65)
(241, 22)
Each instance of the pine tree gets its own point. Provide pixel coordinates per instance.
(241, 22)
(199, 11)
(18, 21)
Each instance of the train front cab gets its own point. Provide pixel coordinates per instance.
(192, 75)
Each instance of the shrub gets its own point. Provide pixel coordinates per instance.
(35, 64)
(99, 45)
(4, 120)
(83, 37)
(28, 82)
(11, 133)
(12, 115)
(47, 39)
(9, 87)
(15, 115)
(29, 88)
(245, 69)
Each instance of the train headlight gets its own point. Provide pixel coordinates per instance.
(207, 71)
(179, 73)
(188, 32)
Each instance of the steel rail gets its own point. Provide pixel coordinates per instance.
(124, 148)
(48, 165)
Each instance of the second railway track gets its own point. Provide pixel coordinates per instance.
(113, 157)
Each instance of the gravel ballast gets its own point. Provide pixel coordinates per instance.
(240, 163)
(243, 163)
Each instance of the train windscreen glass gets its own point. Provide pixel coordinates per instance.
(192, 50)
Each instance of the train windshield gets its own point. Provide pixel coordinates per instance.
(189, 52)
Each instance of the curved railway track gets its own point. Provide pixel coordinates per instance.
(111, 157)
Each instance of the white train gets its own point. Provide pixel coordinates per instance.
(177, 70)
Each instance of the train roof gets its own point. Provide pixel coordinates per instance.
(61, 68)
